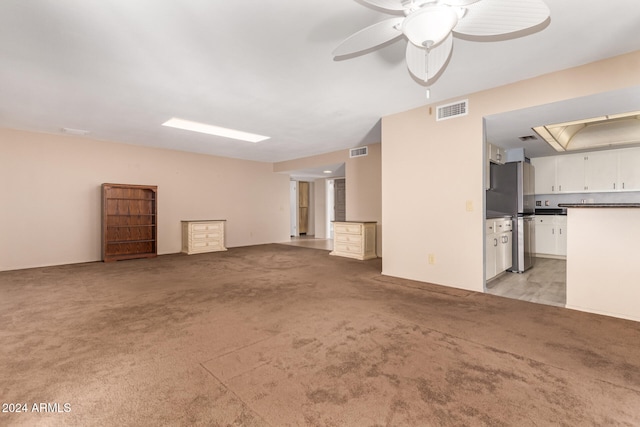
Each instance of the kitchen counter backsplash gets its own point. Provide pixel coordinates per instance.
(554, 199)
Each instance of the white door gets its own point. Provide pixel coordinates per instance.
(293, 205)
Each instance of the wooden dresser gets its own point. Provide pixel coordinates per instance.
(203, 236)
(354, 239)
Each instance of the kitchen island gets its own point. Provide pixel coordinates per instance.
(603, 258)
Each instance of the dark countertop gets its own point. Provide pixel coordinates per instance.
(357, 222)
(599, 205)
(551, 211)
(496, 215)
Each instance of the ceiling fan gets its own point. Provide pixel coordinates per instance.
(429, 26)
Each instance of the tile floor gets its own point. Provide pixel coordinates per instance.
(545, 283)
(311, 242)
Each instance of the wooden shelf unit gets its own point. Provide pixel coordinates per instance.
(129, 221)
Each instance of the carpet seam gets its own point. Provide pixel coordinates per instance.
(235, 394)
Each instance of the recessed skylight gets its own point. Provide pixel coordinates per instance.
(605, 131)
(328, 171)
(214, 130)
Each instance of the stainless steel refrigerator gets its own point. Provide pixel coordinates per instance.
(512, 192)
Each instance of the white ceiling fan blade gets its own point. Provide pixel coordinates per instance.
(370, 37)
(496, 17)
(459, 3)
(438, 57)
(395, 5)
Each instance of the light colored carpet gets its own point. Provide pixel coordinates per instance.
(277, 335)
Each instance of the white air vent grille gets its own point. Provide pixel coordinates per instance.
(358, 152)
(455, 109)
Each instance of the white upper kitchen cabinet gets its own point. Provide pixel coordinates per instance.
(545, 174)
(629, 170)
(601, 173)
(496, 154)
(591, 172)
(570, 173)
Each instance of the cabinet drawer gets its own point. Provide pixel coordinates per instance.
(350, 248)
(347, 228)
(205, 244)
(508, 226)
(211, 235)
(349, 238)
(206, 227)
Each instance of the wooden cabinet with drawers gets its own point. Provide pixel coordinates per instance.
(203, 236)
(354, 239)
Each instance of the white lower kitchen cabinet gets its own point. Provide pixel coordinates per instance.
(551, 236)
(203, 236)
(498, 246)
(354, 239)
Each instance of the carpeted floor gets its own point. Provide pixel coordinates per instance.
(277, 335)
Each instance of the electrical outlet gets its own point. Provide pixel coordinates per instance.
(469, 205)
(432, 259)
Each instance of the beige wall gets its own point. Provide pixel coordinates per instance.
(614, 290)
(364, 185)
(433, 170)
(50, 196)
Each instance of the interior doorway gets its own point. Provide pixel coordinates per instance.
(336, 203)
(293, 205)
(339, 201)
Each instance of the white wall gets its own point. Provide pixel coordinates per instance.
(431, 172)
(51, 200)
(602, 261)
(363, 181)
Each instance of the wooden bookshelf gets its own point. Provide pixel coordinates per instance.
(129, 221)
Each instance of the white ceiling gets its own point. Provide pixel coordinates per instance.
(120, 68)
(505, 129)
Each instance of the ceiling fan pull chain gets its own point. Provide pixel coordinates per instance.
(426, 72)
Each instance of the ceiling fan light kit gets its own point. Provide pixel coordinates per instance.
(428, 25)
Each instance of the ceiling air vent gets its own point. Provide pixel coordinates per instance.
(455, 109)
(358, 152)
(527, 138)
